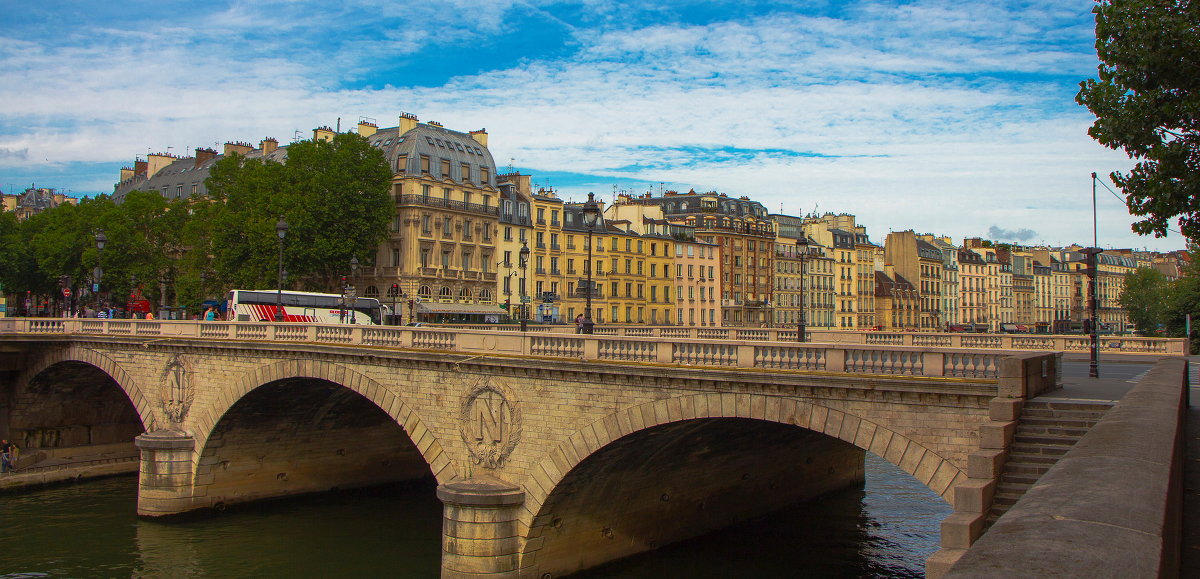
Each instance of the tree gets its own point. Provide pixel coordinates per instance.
(1146, 102)
(333, 195)
(1144, 298)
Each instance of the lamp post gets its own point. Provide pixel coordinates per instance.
(101, 239)
(524, 262)
(348, 294)
(591, 217)
(1092, 256)
(281, 228)
(802, 252)
(395, 294)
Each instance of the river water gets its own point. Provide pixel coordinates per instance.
(89, 530)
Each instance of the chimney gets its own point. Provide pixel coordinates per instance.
(268, 145)
(139, 167)
(407, 122)
(366, 128)
(480, 136)
(238, 148)
(323, 134)
(204, 155)
(126, 174)
(157, 162)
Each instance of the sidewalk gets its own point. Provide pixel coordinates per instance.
(1190, 559)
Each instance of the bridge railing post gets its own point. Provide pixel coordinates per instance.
(835, 359)
(933, 364)
(745, 355)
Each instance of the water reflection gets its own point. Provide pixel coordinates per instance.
(886, 529)
(90, 530)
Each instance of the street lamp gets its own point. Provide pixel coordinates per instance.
(524, 262)
(1092, 258)
(101, 239)
(591, 217)
(803, 250)
(347, 291)
(281, 228)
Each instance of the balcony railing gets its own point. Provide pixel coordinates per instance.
(449, 204)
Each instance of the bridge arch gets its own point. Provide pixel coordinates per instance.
(916, 459)
(81, 354)
(430, 448)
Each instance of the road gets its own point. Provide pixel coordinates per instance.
(1117, 376)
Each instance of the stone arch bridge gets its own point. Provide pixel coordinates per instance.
(552, 453)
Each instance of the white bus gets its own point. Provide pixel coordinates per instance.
(259, 306)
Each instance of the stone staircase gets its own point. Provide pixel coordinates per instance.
(1046, 430)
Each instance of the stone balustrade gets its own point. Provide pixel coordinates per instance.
(957, 340)
(729, 348)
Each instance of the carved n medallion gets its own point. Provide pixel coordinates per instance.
(178, 392)
(490, 423)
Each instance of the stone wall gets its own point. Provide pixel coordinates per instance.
(1111, 506)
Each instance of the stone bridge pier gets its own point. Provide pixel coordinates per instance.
(545, 465)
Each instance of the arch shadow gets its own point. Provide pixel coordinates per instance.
(76, 353)
(426, 443)
(932, 470)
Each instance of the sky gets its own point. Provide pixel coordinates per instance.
(953, 117)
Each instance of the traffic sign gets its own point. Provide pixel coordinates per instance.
(66, 292)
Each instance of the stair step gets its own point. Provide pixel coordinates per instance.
(1005, 500)
(1047, 440)
(1036, 469)
(1073, 432)
(1034, 457)
(1010, 477)
(1012, 488)
(1057, 421)
(1064, 414)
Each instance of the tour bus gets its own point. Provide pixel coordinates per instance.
(259, 306)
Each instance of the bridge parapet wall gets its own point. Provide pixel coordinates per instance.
(750, 352)
(1111, 506)
(1057, 342)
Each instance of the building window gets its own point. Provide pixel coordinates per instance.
(395, 257)
(424, 164)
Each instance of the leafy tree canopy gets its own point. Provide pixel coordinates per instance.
(1146, 102)
(333, 196)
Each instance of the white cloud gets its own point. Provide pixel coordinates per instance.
(942, 116)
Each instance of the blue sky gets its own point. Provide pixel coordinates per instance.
(950, 117)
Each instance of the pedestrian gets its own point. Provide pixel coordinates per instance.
(579, 324)
(8, 456)
(102, 313)
(211, 314)
(149, 315)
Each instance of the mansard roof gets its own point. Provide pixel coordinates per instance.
(433, 141)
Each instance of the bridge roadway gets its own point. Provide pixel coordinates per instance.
(552, 452)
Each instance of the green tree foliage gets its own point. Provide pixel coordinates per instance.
(333, 195)
(1146, 102)
(1183, 298)
(1145, 298)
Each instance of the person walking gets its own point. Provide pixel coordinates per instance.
(579, 324)
(211, 314)
(8, 456)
